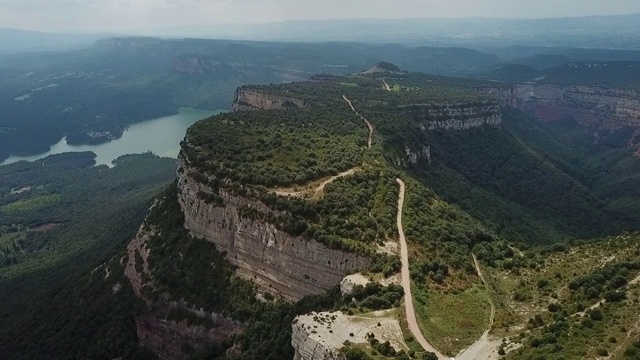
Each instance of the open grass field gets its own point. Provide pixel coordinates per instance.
(452, 322)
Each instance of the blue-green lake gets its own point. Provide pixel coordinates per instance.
(161, 136)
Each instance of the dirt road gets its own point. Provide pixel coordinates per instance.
(386, 86)
(361, 117)
(485, 348)
(406, 282)
(318, 189)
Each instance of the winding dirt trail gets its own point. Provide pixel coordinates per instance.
(406, 282)
(386, 86)
(361, 117)
(485, 348)
(318, 189)
(486, 285)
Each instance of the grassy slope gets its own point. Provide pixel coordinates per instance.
(544, 278)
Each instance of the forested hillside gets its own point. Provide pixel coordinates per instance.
(60, 219)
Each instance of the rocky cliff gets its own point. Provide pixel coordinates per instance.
(155, 331)
(252, 99)
(592, 106)
(292, 265)
(455, 116)
(320, 336)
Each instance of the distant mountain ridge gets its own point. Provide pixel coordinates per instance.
(618, 31)
(16, 41)
(613, 32)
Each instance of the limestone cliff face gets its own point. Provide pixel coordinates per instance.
(137, 263)
(413, 156)
(251, 99)
(592, 106)
(292, 265)
(162, 336)
(455, 116)
(308, 347)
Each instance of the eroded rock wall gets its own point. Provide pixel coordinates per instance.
(162, 336)
(293, 265)
(591, 106)
(247, 99)
(455, 116)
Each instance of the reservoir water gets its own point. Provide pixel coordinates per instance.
(161, 136)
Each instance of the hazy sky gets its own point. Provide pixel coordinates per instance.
(127, 15)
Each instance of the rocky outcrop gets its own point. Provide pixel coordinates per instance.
(295, 266)
(167, 338)
(455, 116)
(137, 260)
(246, 99)
(591, 106)
(349, 283)
(413, 156)
(320, 336)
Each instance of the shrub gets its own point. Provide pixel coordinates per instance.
(596, 315)
(429, 356)
(554, 307)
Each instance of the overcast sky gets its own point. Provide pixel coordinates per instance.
(128, 15)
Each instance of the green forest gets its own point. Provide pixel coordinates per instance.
(54, 301)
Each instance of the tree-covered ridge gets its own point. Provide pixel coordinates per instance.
(277, 148)
(609, 74)
(407, 89)
(253, 153)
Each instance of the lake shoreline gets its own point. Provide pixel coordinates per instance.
(160, 136)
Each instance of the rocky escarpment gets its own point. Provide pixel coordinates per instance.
(455, 116)
(251, 99)
(295, 266)
(591, 106)
(320, 336)
(165, 337)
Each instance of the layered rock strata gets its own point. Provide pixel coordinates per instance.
(246, 99)
(164, 337)
(591, 106)
(295, 266)
(455, 116)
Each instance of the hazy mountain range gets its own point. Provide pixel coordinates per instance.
(620, 32)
